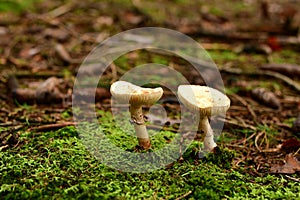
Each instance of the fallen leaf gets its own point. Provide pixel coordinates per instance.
(3, 30)
(132, 18)
(273, 43)
(104, 20)
(28, 52)
(292, 165)
(290, 145)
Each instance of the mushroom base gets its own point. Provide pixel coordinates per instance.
(140, 127)
(144, 143)
(142, 135)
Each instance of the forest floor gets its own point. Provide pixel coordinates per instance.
(42, 154)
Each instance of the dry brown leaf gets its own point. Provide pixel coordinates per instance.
(132, 18)
(104, 20)
(28, 52)
(292, 165)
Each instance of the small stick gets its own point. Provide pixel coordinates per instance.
(185, 195)
(297, 152)
(61, 10)
(48, 127)
(293, 178)
(239, 124)
(256, 140)
(245, 103)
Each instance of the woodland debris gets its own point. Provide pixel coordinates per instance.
(8, 139)
(91, 94)
(292, 165)
(287, 69)
(61, 10)
(58, 34)
(274, 43)
(63, 53)
(28, 52)
(132, 18)
(49, 91)
(24, 95)
(290, 145)
(266, 97)
(296, 126)
(269, 73)
(52, 91)
(12, 83)
(48, 127)
(254, 48)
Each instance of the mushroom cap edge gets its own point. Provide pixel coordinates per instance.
(126, 92)
(208, 101)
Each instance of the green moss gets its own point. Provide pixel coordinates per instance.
(285, 56)
(16, 6)
(56, 165)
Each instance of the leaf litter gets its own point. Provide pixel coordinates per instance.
(63, 47)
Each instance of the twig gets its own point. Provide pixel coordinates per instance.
(273, 150)
(246, 139)
(297, 152)
(48, 127)
(61, 10)
(293, 178)
(185, 195)
(239, 124)
(256, 140)
(6, 124)
(237, 146)
(4, 147)
(65, 56)
(245, 103)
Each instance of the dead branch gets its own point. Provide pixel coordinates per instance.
(276, 75)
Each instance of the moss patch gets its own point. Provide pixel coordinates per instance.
(56, 165)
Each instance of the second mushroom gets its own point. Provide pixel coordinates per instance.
(207, 102)
(137, 96)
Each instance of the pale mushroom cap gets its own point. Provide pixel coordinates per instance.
(129, 93)
(203, 99)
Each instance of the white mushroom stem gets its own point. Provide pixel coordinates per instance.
(209, 143)
(139, 125)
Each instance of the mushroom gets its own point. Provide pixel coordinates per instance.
(207, 102)
(137, 97)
